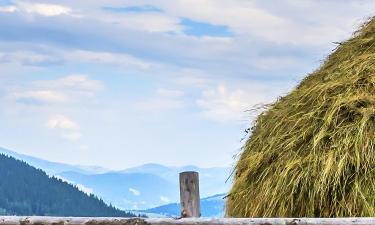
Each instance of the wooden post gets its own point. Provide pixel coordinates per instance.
(189, 194)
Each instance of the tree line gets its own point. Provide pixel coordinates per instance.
(25, 190)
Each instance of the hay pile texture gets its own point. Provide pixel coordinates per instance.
(312, 153)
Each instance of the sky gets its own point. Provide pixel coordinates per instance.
(122, 83)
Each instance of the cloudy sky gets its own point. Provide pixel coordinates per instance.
(118, 83)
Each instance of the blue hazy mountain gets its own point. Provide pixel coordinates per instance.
(52, 167)
(127, 191)
(141, 187)
(211, 180)
(212, 206)
(149, 185)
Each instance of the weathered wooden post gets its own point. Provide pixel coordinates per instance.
(189, 194)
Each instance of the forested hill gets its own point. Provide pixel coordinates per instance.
(25, 190)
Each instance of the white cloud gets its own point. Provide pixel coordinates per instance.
(164, 100)
(54, 56)
(53, 98)
(43, 8)
(123, 60)
(191, 81)
(62, 122)
(85, 189)
(8, 9)
(80, 187)
(40, 96)
(134, 191)
(288, 22)
(28, 58)
(84, 147)
(275, 63)
(74, 82)
(164, 199)
(160, 104)
(76, 88)
(67, 128)
(240, 16)
(168, 93)
(226, 105)
(71, 136)
(145, 21)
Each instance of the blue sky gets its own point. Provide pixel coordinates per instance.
(121, 83)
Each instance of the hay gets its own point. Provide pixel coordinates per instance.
(312, 153)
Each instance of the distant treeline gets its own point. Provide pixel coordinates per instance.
(25, 190)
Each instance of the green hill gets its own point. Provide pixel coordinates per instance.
(25, 190)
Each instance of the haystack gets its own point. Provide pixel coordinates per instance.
(312, 153)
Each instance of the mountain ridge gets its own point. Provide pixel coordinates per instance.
(141, 187)
(26, 190)
(51, 167)
(211, 206)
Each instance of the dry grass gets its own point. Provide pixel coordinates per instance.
(312, 153)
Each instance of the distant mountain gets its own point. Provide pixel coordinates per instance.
(211, 180)
(25, 190)
(53, 167)
(140, 187)
(210, 207)
(127, 191)
(149, 185)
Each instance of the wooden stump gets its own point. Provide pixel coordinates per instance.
(189, 194)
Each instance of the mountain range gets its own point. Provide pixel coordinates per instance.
(137, 188)
(53, 167)
(27, 191)
(212, 206)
